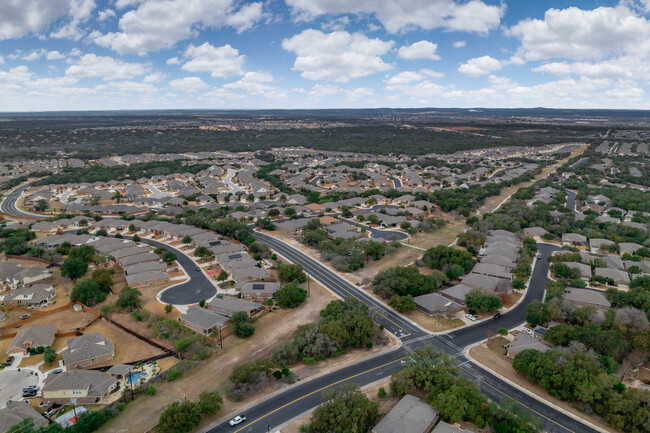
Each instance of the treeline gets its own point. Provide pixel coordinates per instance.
(97, 173)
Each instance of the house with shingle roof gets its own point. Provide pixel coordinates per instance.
(227, 306)
(203, 321)
(87, 350)
(33, 337)
(16, 412)
(83, 386)
(409, 415)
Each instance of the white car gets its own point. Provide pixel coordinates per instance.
(471, 317)
(237, 420)
(539, 255)
(527, 330)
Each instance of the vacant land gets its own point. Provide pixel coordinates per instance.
(128, 348)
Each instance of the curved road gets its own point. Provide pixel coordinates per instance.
(278, 409)
(8, 205)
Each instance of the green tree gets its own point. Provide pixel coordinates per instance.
(129, 299)
(202, 252)
(223, 276)
(402, 303)
(73, 267)
(168, 256)
(345, 409)
(49, 355)
(104, 279)
(455, 271)
(481, 301)
(87, 292)
(84, 252)
(180, 418)
(168, 308)
(443, 257)
(291, 273)
(136, 238)
(186, 239)
(536, 313)
(374, 249)
(210, 402)
(290, 296)
(240, 325)
(41, 205)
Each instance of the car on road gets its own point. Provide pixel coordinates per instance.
(471, 317)
(9, 361)
(237, 420)
(198, 269)
(539, 255)
(497, 316)
(18, 326)
(24, 316)
(527, 330)
(29, 388)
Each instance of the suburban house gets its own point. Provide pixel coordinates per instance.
(524, 341)
(409, 415)
(574, 239)
(258, 290)
(203, 321)
(227, 306)
(587, 298)
(27, 338)
(149, 278)
(585, 270)
(597, 245)
(619, 277)
(249, 274)
(456, 293)
(32, 296)
(433, 304)
(17, 411)
(535, 232)
(83, 386)
(87, 350)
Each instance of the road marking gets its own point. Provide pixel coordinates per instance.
(284, 250)
(318, 390)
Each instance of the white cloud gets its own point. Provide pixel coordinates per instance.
(397, 15)
(22, 17)
(479, 66)
(578, 34)
(79, 11)
(359, 93)
(2, 60)
(337, 56)
(459, 44)
(407, 77)
(55, 55)
(34, 55)
(257, 83)
(155, 24)
(321, 90)
(108, 68)
(221, 62)
(127, 87)
(188, 84)
(105, 14)
(174, 61)
(123, 4)
(419, 50)
(154, 77)
(14, 78)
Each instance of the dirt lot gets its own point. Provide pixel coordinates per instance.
(445, 236)
(433, 324)
(127, 347)
(67, 319)
(492, 356)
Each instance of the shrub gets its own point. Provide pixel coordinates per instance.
(381, 392)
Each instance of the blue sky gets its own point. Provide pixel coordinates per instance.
(144, 54)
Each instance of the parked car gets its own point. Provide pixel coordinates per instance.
(237, 420)
(29, 394)
(497, 316)
(539, 255)
(471, 317)
(55, 371)
(24, 316)
(34, 388)
(527, 331)
(9, 361)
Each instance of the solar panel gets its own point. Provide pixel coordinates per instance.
(234, 257)
(215, 243)
(258, 286)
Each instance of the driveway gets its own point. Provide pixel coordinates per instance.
(12, 383)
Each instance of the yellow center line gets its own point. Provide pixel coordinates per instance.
(284, 250)
(318, 390)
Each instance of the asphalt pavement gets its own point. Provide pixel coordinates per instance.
(8, 205)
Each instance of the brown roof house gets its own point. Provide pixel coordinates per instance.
(16, 412)
(259, 290)
(433, 304)
(410, 415)
(82, 386)
(228, 306)
(88, 350)
(522, 342)
(36, 336)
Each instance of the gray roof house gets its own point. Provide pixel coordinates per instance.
(574, 239)
(456, 293)
(227, 306)
(598, 243)
(85, 386)
(249, 274)
(409, 415)
(492, 270)
(433, 303)
(87, 350)
(258, 290)
(522, 342)
(35, 336)
(619, 277)
(202, 320)
(585, 270)
(479, 281)
(17, 411)
(32, 296)
(587, 297)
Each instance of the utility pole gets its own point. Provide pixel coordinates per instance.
(131, 384)
(308, 289)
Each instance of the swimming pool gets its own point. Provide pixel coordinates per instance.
(134, 377)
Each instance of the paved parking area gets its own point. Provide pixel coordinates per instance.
(12, 383)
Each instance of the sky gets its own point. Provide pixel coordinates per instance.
(228, 54)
